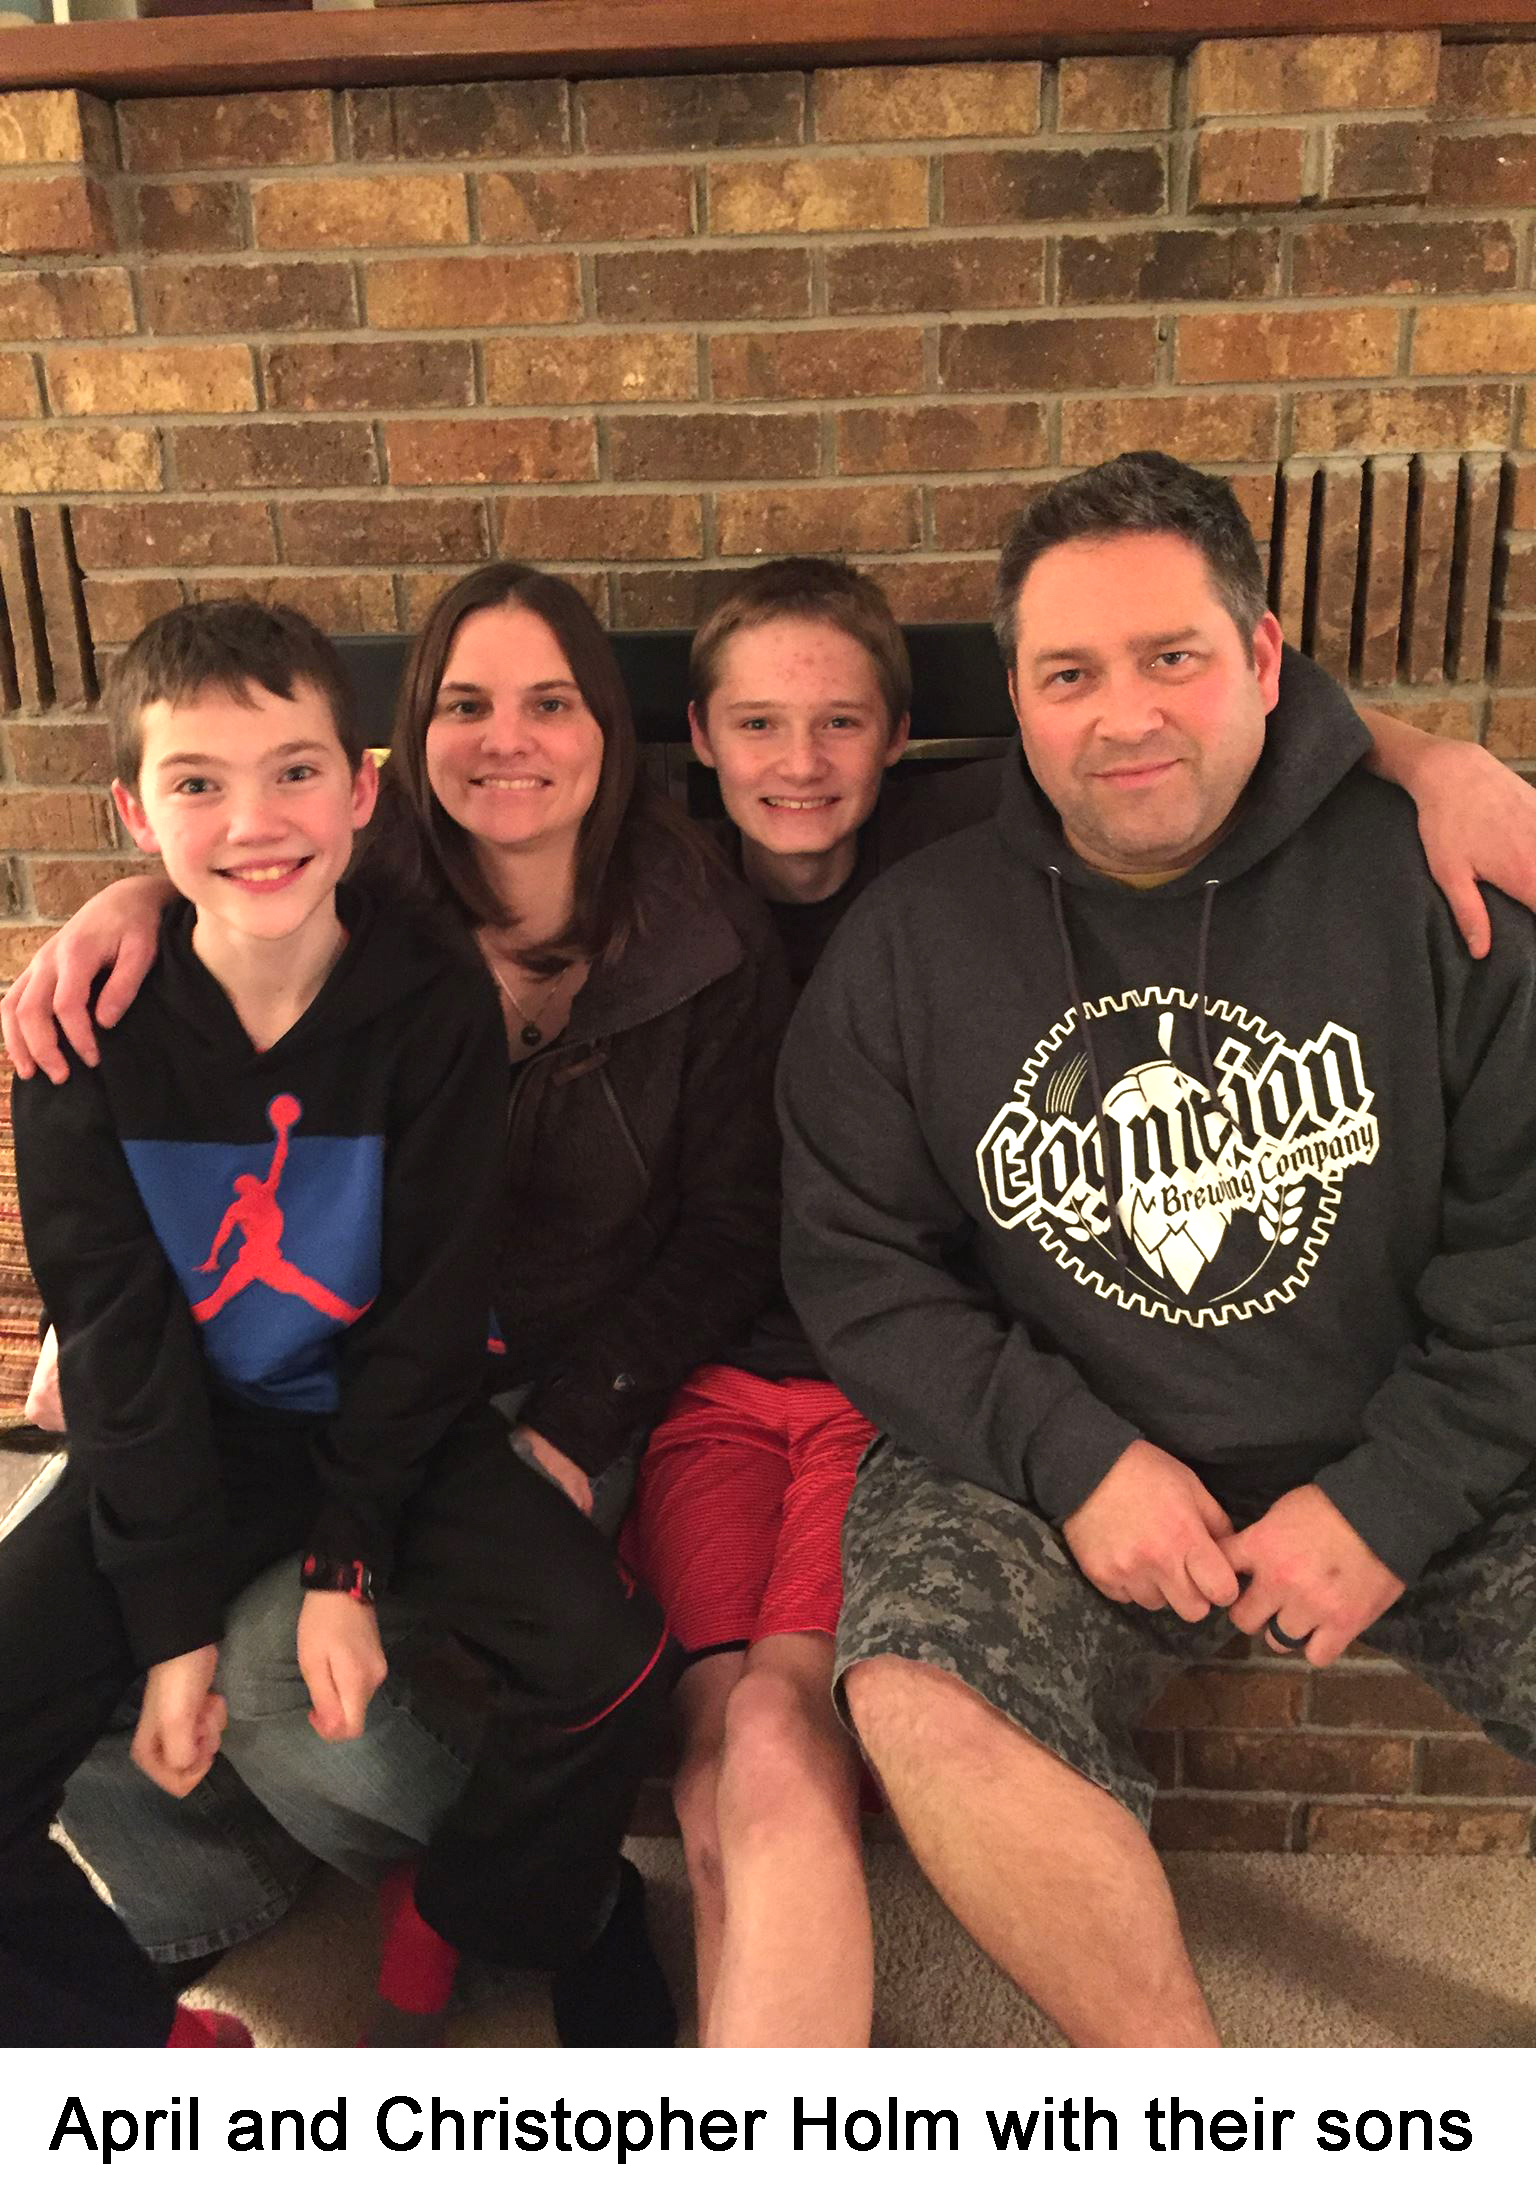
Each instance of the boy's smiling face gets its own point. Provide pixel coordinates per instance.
(799, 734)
(251, 804)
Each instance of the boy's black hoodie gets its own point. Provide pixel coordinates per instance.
(1315, 1256)
(270, 1271)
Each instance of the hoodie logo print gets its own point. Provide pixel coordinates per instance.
(257, 1216)
(1222, 1199)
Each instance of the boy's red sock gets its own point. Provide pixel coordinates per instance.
(416, 1966)
(208, 2029)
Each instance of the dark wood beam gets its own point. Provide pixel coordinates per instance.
(445, 44)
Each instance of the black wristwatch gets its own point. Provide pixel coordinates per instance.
(355, 1578)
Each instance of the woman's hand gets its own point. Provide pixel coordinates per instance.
(341, 1658)
(119, 928)
(568, 1475)
(1477, 819)
(180, 1722)
(44, 1405)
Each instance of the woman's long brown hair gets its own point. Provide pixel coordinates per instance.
(438, 854)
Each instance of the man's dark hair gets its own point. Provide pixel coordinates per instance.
(1142, 491)
(230, 645)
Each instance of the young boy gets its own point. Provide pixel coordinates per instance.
(263, 1231)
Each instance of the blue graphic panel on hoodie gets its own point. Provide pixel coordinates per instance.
(298, 1264)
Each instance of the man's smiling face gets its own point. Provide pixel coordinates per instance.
(1140, 702)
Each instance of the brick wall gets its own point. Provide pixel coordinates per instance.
(337, 347)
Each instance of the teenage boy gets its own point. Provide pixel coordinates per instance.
(261, 1232)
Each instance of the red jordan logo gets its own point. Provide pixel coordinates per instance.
(256, 1215)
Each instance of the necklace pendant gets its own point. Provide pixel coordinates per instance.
(532, 1035)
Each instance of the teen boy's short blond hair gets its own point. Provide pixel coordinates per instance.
(230, 645)
(817, 588)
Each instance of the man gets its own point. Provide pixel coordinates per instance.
(1160, 1180)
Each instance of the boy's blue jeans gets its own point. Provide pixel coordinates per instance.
(193, 1876)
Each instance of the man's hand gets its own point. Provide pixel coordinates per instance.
(568, 1475)
(119, 928)
(1311, 1574)
(1149, 1534)
(341, 1660)
(180, 1721)
(44, 1405)
(1477, 820)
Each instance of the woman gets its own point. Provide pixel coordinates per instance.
(644, 1000)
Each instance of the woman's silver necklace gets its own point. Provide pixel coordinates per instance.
(531, 1034)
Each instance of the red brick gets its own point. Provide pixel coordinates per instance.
(493, 121)
(778, 197)
(1182, 1822)
(45, 307)
(55, 822)
(575, 205)
(384, 530)
(1158, 1751)
(126, 536)
(815, 521)
(1512, 729)
(1497, 169)
(1521, 472)
(357, 601)
(1402, 418)
(61, 460)
(59, 589)
(237, 130)
(423, 452)
(1402, 258)
(356, 211)
(943, 438)
(1110, 95)
(592, 369)
(61, 887)
(1288, 346)
(1519, 587)
(1433, 562)
(23, 635)
(190, 216)
(183, 377)
(1515, 650)
(58, 753)
(981, 187)
(1200, 429)
(664, 600)
(1379, 615)
(220, 299)
(20, 396)
(309, 454)
(117, 609)
(570, 528)
(1190, 265)
(1476, 548)
(1480, 83)
(1471, 1767)
(1005, 355)
(1250, 167)
(1378, 163)
(810, 363)
(54, 213)
(1306, 75)
(926, 590)
(742, 445)
(368, 122)
(1255, 496)
(768, 282)
(1362, 1765)
(691, 113)
(52, 129)
(949, 274)
(1335, 555)
(903, 105)
(978, 513)
(496, 290)
(367, 376)
(1468, 1831)
(1443, 719)
(19, 943)
(1481, 338)
(1230, 1698)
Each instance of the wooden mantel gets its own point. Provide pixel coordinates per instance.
(512, 38)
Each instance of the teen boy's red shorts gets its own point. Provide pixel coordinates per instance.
(738, 1513)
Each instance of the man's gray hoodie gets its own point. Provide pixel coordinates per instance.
(1314, 1255)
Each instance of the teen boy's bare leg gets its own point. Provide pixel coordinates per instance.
(1050, 1875)
(702, 1695)
(797, 1964)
